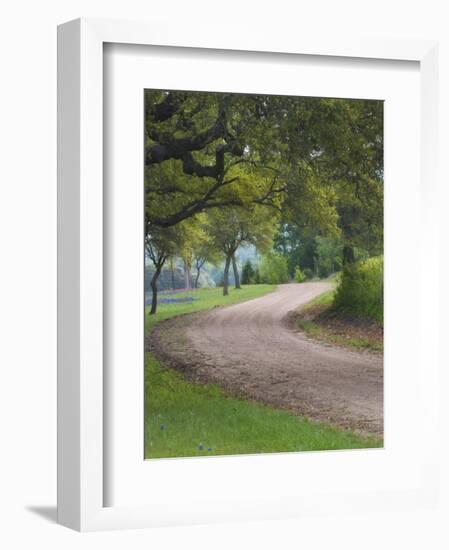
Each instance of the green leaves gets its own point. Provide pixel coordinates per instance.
(273, 269)
(248, 161)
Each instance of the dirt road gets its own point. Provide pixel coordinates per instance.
(251, 350)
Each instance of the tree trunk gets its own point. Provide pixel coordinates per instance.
(186, 275)
(348, 255)
(154, 287)
(236, 272)
(172, 274)
(226, 276)
(198, 271)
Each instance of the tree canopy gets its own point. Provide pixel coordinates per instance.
(223, 170)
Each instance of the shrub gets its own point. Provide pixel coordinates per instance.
(273, 269)
(360, 291)
(325, 268)
(308, 273)
(299, 275)
(326, 257)
(248, 273)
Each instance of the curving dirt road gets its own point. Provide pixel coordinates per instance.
(251, 350)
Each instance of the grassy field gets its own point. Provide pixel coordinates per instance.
(186, 419)
(335, 330)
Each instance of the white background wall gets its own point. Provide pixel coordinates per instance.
(28, 270)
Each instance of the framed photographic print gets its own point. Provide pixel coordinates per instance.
(234, 282)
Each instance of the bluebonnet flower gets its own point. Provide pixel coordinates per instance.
(162, 426)
(210, 449)
(200, 446)
(148, 301)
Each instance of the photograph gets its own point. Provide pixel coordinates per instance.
(239, 271)
(263, 273)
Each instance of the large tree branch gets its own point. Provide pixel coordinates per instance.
(191, 210)
(167, 108)
(267, 199)
(210, 200)
(168, 147)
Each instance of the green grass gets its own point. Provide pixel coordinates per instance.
(193, 414)
(205, 298)
(320, 332)
(316, 331)
(325, 299)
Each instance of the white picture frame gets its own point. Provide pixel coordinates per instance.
(81, 489)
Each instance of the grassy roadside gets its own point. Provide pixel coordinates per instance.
(319, 321)
(202, 299)
(186, 419)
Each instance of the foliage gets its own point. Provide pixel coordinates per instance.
(320, 159)
(273, 269)
(308, 249)
(297, 244)
(308, 273)
(319, 320)
(248, 273)
(182, 240)
(300, 179)
(159, 246)
(179, 415)
(299, 275)
(232, 227)
(305, 247)
(203, 151)
(360, 292)
(314, 163)
(171, 277)
(328, 256)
